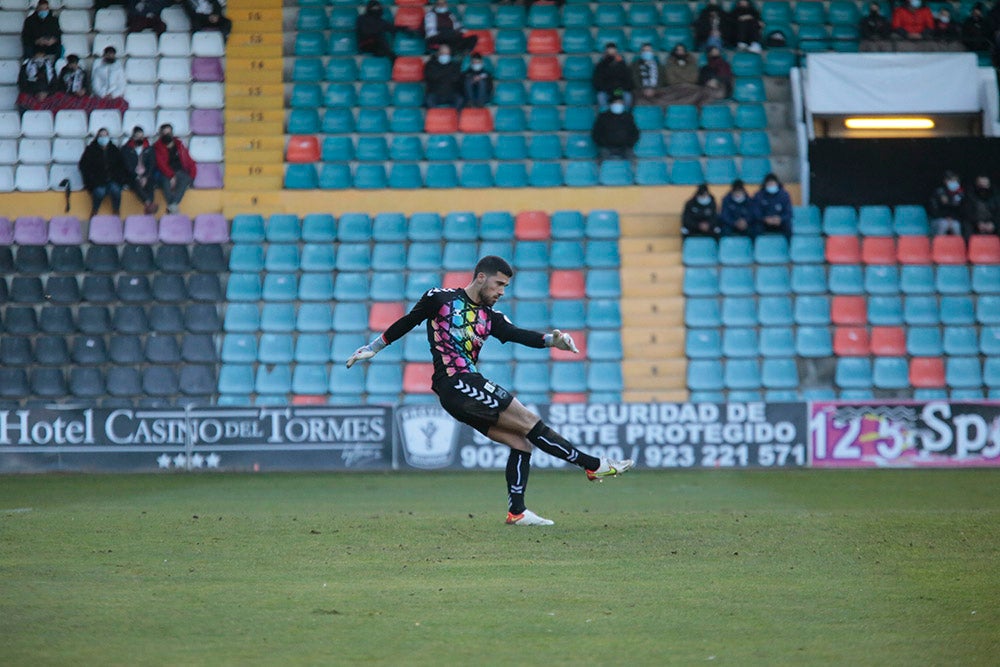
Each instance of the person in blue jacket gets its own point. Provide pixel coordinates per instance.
(772, 208)
(736, 215)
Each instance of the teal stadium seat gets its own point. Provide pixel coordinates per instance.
(372, 121)
(720, 170)
(779, 62)
(986, 278)
(372, 149)
(280, 317)
(478, 17)
(703, 344)
(578, 68)
(846, 279)
(813, 38)
(337, 149)
(740, 342)
(408, 148)
(840, 220)
(676, 14)
(747, 63)
(579, 93)
(571, 314)
(241, 318)
(845, 39)
(687, 172)
(335, 177)
(338, 95)
(342, 44)
(577, 40)
(374, 95)
(476, 175)
(370, 177)
(750, 117)
(343, 18)
(544, 119)
(716, 117)
(702, 312)
(601, 313)
(881, 280)
(545, 175)
(651, 172)
(642, 15)
(649, 118)
(616, 172)
(543, 16)
(405, 176)
(705, 375)
(674, 35)
(963, 373)
(306, 96)
(510, 42)
(683, 144)
(409, 45)
(957, 341)
(309, 44)
(681, 117)
(581, 174)
(916, 279)
(510, 16)
(441, 147)
(509, 93)
(511, 175)
(577, 16)
(338, 121)
(307, 69)
(311, 18)
(749, 89)
(511, 68)
(375, 69)
(776, 341)
(739, 312)
(544, 93)
(511, 147)
(408, 95)
(317, 286)
(476, 147)
(776, 311)
(605, 376)
(301, 177)
(909, 219)
(340, 70)
(754, 143)
(843, 13)
(407, 121)
(303, 121)
(507, 119)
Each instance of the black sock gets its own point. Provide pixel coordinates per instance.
(550, 442)
(518, 467)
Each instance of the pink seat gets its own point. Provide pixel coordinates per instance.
(30, 230)
(65, 230)
(140, 229)
(209, 176)
(6, 232)
(207, 69)
(106, 230)
(211, 228)
(206, 121)
(176, 229)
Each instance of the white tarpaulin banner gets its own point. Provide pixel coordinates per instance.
(880, 83)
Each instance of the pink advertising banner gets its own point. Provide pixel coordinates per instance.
(905, 434)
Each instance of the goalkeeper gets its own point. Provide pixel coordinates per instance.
(458, 323)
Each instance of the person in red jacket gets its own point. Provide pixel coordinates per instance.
(175, 166)
(913, 21)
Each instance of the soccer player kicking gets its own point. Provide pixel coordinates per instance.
(458, 323)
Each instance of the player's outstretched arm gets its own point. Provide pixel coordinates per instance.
(561, 341)
(367, 351)
(396, 330)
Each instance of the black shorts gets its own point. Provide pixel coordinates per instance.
(472, 399)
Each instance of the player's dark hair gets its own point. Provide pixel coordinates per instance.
(492, 264)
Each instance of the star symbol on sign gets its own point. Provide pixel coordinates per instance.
(212, 460)
(180, 460)
(163, 461)
(197, 460)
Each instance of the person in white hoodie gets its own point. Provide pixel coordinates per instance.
(107, 77)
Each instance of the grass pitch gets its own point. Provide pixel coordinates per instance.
(726, 567)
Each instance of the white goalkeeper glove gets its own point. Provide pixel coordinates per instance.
(367, 351)
(561, 341)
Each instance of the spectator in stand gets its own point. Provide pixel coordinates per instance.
(140, 165)
(982, 208)
(175, 168)
(443, 27)
(103, 171)
(612, 78)
(747, 26)
(41, 31)
(36, 82)
(477, 83)
(716, 77)
(772, 209)
(874, 29)
(373, 29)
(208, 15)
(978, 30)
(108, 76)
(913, 21)
(73, 79)
(443, 78)
(736, 215)
(681, 78)
(145, 15)
(700, 217)
(945, 208)
(648, 75)
(945, 30)
(615, 132)
(713, 27)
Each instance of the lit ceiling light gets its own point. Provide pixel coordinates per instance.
(889, 123)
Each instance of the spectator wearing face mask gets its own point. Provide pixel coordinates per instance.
(977, 30)
(373, 30)
(713, 27)
(612, 78)
(615, 132)
(208, 15)
(443, 78)
(145, 15)
(982, 208)
(140, 164)
(946, 204)
(716, 76)
(174, 166)
(103, 172)
(681, 78)
(912, 21)
(73, 79)
(945, 30)
(37, 82)
(747, 26)
(41, 31)
(700, 216)
(477, 83)
(736, 214)
(648, 75)
(441, 26)
(108, 76)
(874, 29)
(772, 209)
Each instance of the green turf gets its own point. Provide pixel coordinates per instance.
(805, 567)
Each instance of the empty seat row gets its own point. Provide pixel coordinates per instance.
(123, 319)
(176, 228)
(866, 220)
(73, 123)
(101, 289)
(93, 382)
(73, 259)
(97, 350)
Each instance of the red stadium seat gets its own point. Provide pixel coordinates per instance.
(382, 314)
(417, 378)
(948, 250)
(567, 284)
(544, 68)
(984, 249)
(441, 121)
(475, 121)
(850, 342)
(302, 148)
(569, 397)
(485, 45)
(888, 341)
(843, 250)
(308, 400)
(927, 372)
(532, 226)
(849, 310)
(408, 70)
(580, 338)
(411, 3)
(456, 279)
(409, 17)
(913, 250)
(544, 42)
(878, 250)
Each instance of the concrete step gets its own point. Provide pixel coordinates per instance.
(654, 396)
(654, 225)
(652, 282)
(666, 374)
(653, 342)
(649, 245)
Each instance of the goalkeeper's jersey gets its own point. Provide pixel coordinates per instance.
(457, 328)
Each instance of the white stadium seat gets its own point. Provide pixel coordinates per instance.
(207, 95)
(10, 46)
(108, 118)
(10, 124)
(110, 20)
(16, 5)
(66, 150)
(180, 120)
(144, 118)
(6, 178)
(76, 45)
(31, 178)
(206, 149)
(8, 97)
(9, 71)
(34, 151)
(176, 19)
(70, 172)
(104, 40)
(141, 44)
(208, 43)
(173, 96)
(141, 95)
(74, 20)
(11, 22)
(175, 44)
(174, 70)
(37, 124)
(71, 123)
(140, 70)
(78, 4)
(8, 151)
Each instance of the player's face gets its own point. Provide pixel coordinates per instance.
(491, 288)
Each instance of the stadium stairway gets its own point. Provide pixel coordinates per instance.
(654, 366)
